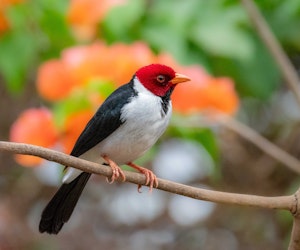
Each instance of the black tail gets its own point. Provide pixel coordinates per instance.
(59, 209)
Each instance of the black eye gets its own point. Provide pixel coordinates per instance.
(161, 78)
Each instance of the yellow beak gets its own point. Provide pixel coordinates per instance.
(180, 78)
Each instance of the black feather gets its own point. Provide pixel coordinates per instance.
(104, 122)
(61, 206)
(165, 102)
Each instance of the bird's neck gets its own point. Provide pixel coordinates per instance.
(165, 99)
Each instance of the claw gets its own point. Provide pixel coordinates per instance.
(139, 188)
(116, 171)
(151, 178)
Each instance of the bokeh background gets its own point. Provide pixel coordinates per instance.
(60, 59)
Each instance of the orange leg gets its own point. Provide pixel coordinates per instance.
(116, 170)
(151, 178)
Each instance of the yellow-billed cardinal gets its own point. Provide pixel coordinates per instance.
(125, 126)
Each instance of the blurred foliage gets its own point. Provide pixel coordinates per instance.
(216, 34)
(204, 135)
(37, 31)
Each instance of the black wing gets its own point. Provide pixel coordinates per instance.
(105, 121)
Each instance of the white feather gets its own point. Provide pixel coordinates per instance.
(70, 174)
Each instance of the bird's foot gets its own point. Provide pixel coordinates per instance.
(151, 178)
(116, 171)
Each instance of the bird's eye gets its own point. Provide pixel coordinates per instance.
(161, 78)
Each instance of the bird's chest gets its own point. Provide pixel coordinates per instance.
(144, 122)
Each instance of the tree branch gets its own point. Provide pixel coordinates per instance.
(290, 202)
(282, 60)
(295, 236)
(280, 202)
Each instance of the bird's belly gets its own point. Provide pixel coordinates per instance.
(130, 141)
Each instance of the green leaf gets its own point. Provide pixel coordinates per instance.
(99, 86)
(122, 21)
(16, 57)
(284, 19)
(257, 77)
(54, 33)
(166, 28)
(36, 29)
(79, 100)
(153, 35)
(176, 15)
(219, 31)
(75, 103)
(17, 48)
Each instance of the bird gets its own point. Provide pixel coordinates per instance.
(124, 127)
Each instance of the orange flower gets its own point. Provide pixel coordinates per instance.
(34, 126)
(115, 63)
(9, 2)
(4, 24)
(54, 82)
(126, 59)
(219, 94)
(80, 65)
(88, 62)
(84, 15)
(73, 126)
(204, 92)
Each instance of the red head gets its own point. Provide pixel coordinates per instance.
(159, 79)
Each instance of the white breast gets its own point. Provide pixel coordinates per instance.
(144, 123)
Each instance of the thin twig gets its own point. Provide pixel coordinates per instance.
(266, 146)
(247, 133)
(280, 202)
(282, 60)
